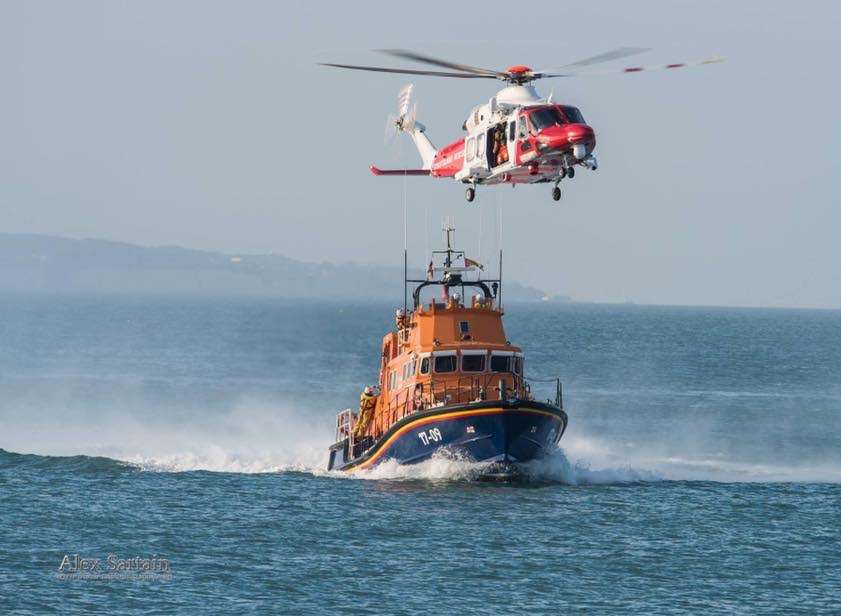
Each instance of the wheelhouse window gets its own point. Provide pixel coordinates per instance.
(409, 369)
(546, 117)
(464, 327)
(573, 115)
(445, 363)
(473, 363)
(424, 365)
(518, 365)
(500, 363)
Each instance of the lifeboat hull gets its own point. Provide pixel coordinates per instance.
(503, 433)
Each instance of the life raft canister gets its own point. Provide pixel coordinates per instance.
(367, 404)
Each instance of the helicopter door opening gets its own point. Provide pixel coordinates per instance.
(498, 145)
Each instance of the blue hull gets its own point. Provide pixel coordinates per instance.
(505, 432)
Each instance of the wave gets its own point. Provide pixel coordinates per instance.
(78, 464)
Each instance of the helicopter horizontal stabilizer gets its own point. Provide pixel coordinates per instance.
(378, 171)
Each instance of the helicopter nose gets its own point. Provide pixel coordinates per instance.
(562, 137)
(582, 139)
(553, 137)
(579, 133)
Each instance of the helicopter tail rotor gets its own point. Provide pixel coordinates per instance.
(391, 127)
(405, 119)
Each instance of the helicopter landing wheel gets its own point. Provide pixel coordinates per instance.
(556, 193)
(470, 194)
(571, 172)
(562, 174)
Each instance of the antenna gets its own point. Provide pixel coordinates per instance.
(499, 296)
(499, 245)
(449, 231)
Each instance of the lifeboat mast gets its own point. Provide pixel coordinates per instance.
(452, 275)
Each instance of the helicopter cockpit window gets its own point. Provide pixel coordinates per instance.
(546, 117)
(573, 115)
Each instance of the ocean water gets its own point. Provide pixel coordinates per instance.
(701, 471)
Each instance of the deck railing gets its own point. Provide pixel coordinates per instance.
(463, 390)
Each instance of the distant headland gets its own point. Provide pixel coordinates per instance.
(48, 264)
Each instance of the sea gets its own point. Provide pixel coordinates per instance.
(167, 456)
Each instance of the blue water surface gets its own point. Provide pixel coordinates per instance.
(701, 472)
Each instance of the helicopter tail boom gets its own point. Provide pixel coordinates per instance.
(425, 148)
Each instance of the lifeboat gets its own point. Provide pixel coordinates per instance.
(450, 382)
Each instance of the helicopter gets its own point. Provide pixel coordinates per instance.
(517, 137)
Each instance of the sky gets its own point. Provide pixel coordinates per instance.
(209, 125)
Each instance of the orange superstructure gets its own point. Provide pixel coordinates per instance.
(444, 352)
(448, 349)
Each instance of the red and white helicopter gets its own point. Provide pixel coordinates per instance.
(517, 137)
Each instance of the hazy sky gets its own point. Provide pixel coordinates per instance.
(208, 125)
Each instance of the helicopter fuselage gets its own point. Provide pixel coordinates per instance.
(517, 138)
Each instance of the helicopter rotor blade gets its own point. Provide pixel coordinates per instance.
(404, 99)
(632, 69)
(410, 117)
(390, 128)
(406, 71)
(465, 68)
(613, 54)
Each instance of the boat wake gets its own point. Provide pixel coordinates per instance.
(269, 437)
(555, 468)
(255, 436)
(589, 461)
(592, 453)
